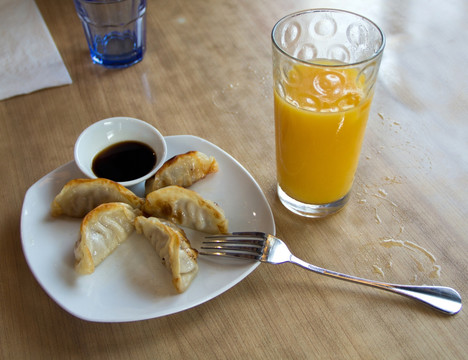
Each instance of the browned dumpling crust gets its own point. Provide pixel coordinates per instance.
(80, 196)
(173, 247)
(103, 229)
(182, 170)
(186, 208)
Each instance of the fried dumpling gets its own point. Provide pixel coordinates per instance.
(186, 208)
(80, 196)
(173, 247)
(102, 230)
(182, 170)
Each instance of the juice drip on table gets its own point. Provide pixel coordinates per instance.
(320, 118)
(397, 260)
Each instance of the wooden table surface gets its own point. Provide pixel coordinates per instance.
(207, 72)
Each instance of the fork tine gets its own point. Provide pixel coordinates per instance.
(228, 246)
(229, 242)
(241, 245)
(234, 254)
(233, 247)
(239, 235)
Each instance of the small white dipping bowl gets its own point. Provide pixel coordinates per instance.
(107, 132)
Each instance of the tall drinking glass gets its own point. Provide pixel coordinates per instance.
(325, 65)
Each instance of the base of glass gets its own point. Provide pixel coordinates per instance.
(117, 61)
(117, 50)
(311, 210)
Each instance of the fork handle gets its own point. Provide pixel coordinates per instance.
(441, 298)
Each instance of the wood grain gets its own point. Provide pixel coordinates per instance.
(207, 72)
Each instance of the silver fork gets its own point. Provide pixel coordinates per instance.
(269, 249)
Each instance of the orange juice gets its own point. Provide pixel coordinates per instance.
(320, 121)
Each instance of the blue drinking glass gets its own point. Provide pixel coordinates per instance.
(115, 30)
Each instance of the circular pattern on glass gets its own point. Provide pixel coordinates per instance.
(325, 27)
(357, 34)
(348, 101)
(290, 34)
(290, 75)
(329, 83)
(312, 102)
(339, 52)
(280, 89)
(306, 52)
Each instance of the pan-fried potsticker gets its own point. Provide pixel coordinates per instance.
(102, 230)
(182, 170)
(80, 196)
(173, 247)
(186, 208)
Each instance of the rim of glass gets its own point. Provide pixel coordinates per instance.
(308, 62)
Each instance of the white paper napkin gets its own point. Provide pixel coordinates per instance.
(29, 59)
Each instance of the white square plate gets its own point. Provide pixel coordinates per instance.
(132, 284)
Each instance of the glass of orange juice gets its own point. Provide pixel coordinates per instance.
(325, 65)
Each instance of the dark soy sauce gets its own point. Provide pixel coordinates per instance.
(124, 161)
